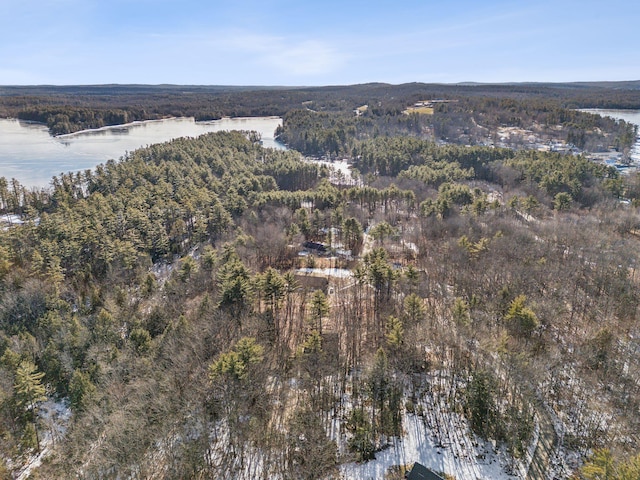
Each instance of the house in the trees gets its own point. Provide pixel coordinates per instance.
(315, 247)
(420, 472)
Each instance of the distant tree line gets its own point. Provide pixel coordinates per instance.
(115, 103)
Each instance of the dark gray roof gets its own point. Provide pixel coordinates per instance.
(420, 472)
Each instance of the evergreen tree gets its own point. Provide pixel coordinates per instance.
(29, 392)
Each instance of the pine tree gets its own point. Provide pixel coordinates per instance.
(29, 392)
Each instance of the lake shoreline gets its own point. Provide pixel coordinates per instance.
(29, 153)
(110, 127)
(136, 122)
(157, 120)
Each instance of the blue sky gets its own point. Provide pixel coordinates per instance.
(313, 42)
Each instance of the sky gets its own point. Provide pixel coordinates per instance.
(316, 42)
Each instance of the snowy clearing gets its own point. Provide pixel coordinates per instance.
(419, 445)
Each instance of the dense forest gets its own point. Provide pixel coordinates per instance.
(468, 121)
(173, 306)
(69, 109)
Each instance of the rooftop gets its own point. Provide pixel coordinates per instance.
(420, 472)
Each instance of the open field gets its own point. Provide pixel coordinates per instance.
(419, 110)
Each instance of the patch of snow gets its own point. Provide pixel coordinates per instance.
(8, 220)
(341, 173)
(410, 246)
(327, 272)
(418, 444)
(54, 418)
(11, 219)
(162, 270)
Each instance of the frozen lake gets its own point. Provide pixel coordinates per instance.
(29, 154)
(629, 116)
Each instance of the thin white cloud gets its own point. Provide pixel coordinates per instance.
(286, 55)
(307, 58)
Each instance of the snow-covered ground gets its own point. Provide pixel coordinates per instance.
(480, 462)
(341, 173)
(326, 272)
(8, 220)
(53, 420)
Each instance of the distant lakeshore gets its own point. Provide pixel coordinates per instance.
(31, 155)
(159, 120)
